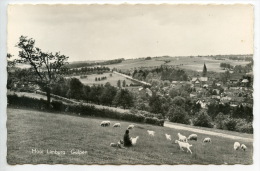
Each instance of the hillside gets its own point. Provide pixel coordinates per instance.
(60, 132)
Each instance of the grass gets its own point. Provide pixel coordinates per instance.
(194, 63)
(29, 129)
(112, 80)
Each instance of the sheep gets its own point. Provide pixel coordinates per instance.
(134, 140)
(236, 146)
(182, 138)
(118, 144)
(105, 123)
(117, 125)
(131, 126)
(151, 132)
(168, 137)
(207, 140)
(184, 145)
(243, 147)
(193, 137)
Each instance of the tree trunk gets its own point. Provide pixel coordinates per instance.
(48, 93)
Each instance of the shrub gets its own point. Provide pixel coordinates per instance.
(84, 110)
(219, 121)
(178, 115)
(244, 126)
(202, 119)
(230, 124)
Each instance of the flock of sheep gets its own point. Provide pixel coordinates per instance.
(182, 141)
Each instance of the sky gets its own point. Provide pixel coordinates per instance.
(104, 32)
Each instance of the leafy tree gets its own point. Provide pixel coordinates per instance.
(124, 98)
(76, 88)
(155, 104)
(179, 115)
(119, 83)
(108, 93)
(124, 83)
(45, 66)
(202, 119)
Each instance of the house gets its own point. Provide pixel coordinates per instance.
(199, 81)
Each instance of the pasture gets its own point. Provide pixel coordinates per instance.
(90, 80)
(191, 63)
(30, 129)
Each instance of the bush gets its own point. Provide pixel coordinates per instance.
(178, 115)
(84, 110)
(202, 119)
(230, 124)
(219, 121)
(244, 126)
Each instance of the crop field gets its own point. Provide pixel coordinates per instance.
(30, 130)
(90, 80)
(191, 63)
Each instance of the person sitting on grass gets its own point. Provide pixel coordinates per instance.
(127, 140)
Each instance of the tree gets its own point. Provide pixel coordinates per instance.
(124, 98)
(76, 88)
(45, 66)
(202, 119)
(124, 83)
(178, 115)
(155, 104)
(119, 83)
(108, 93)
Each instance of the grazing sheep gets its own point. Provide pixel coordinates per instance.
(105, 123)
(118, 144)
(150, 132)
(117, 125)
(130, 127)
(168, 137)
(134, 140)
(184, 145)
(243, 147)
(207, 140)
(182, 138)
(193, 137)
(236, 146)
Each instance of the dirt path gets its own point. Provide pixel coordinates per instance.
(172, 125)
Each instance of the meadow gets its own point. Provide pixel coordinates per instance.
(30, 129)
(191, 63)
(90, 80)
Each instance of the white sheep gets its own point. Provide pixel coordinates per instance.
(184, 145)
(131, 126)
(182, 137)
(118, 144)
(236, 146)
(134, 140)
(168, 137)
(193, 137)
(105, 123)
(243, 147)
(151, 132)
(117, 125)
(207, 140)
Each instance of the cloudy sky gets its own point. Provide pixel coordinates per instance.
(88, 32)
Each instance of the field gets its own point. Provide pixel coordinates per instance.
(191, 63)
(29, 129)
(90, 80)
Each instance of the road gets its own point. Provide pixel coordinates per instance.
(174, 126)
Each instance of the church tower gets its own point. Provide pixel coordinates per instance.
(204, 72)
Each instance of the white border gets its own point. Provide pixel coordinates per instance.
(3, 132)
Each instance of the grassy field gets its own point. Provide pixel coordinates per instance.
(29, 129)
(111, 79)
(194, 63)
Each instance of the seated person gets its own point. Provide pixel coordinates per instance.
(127, 140)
